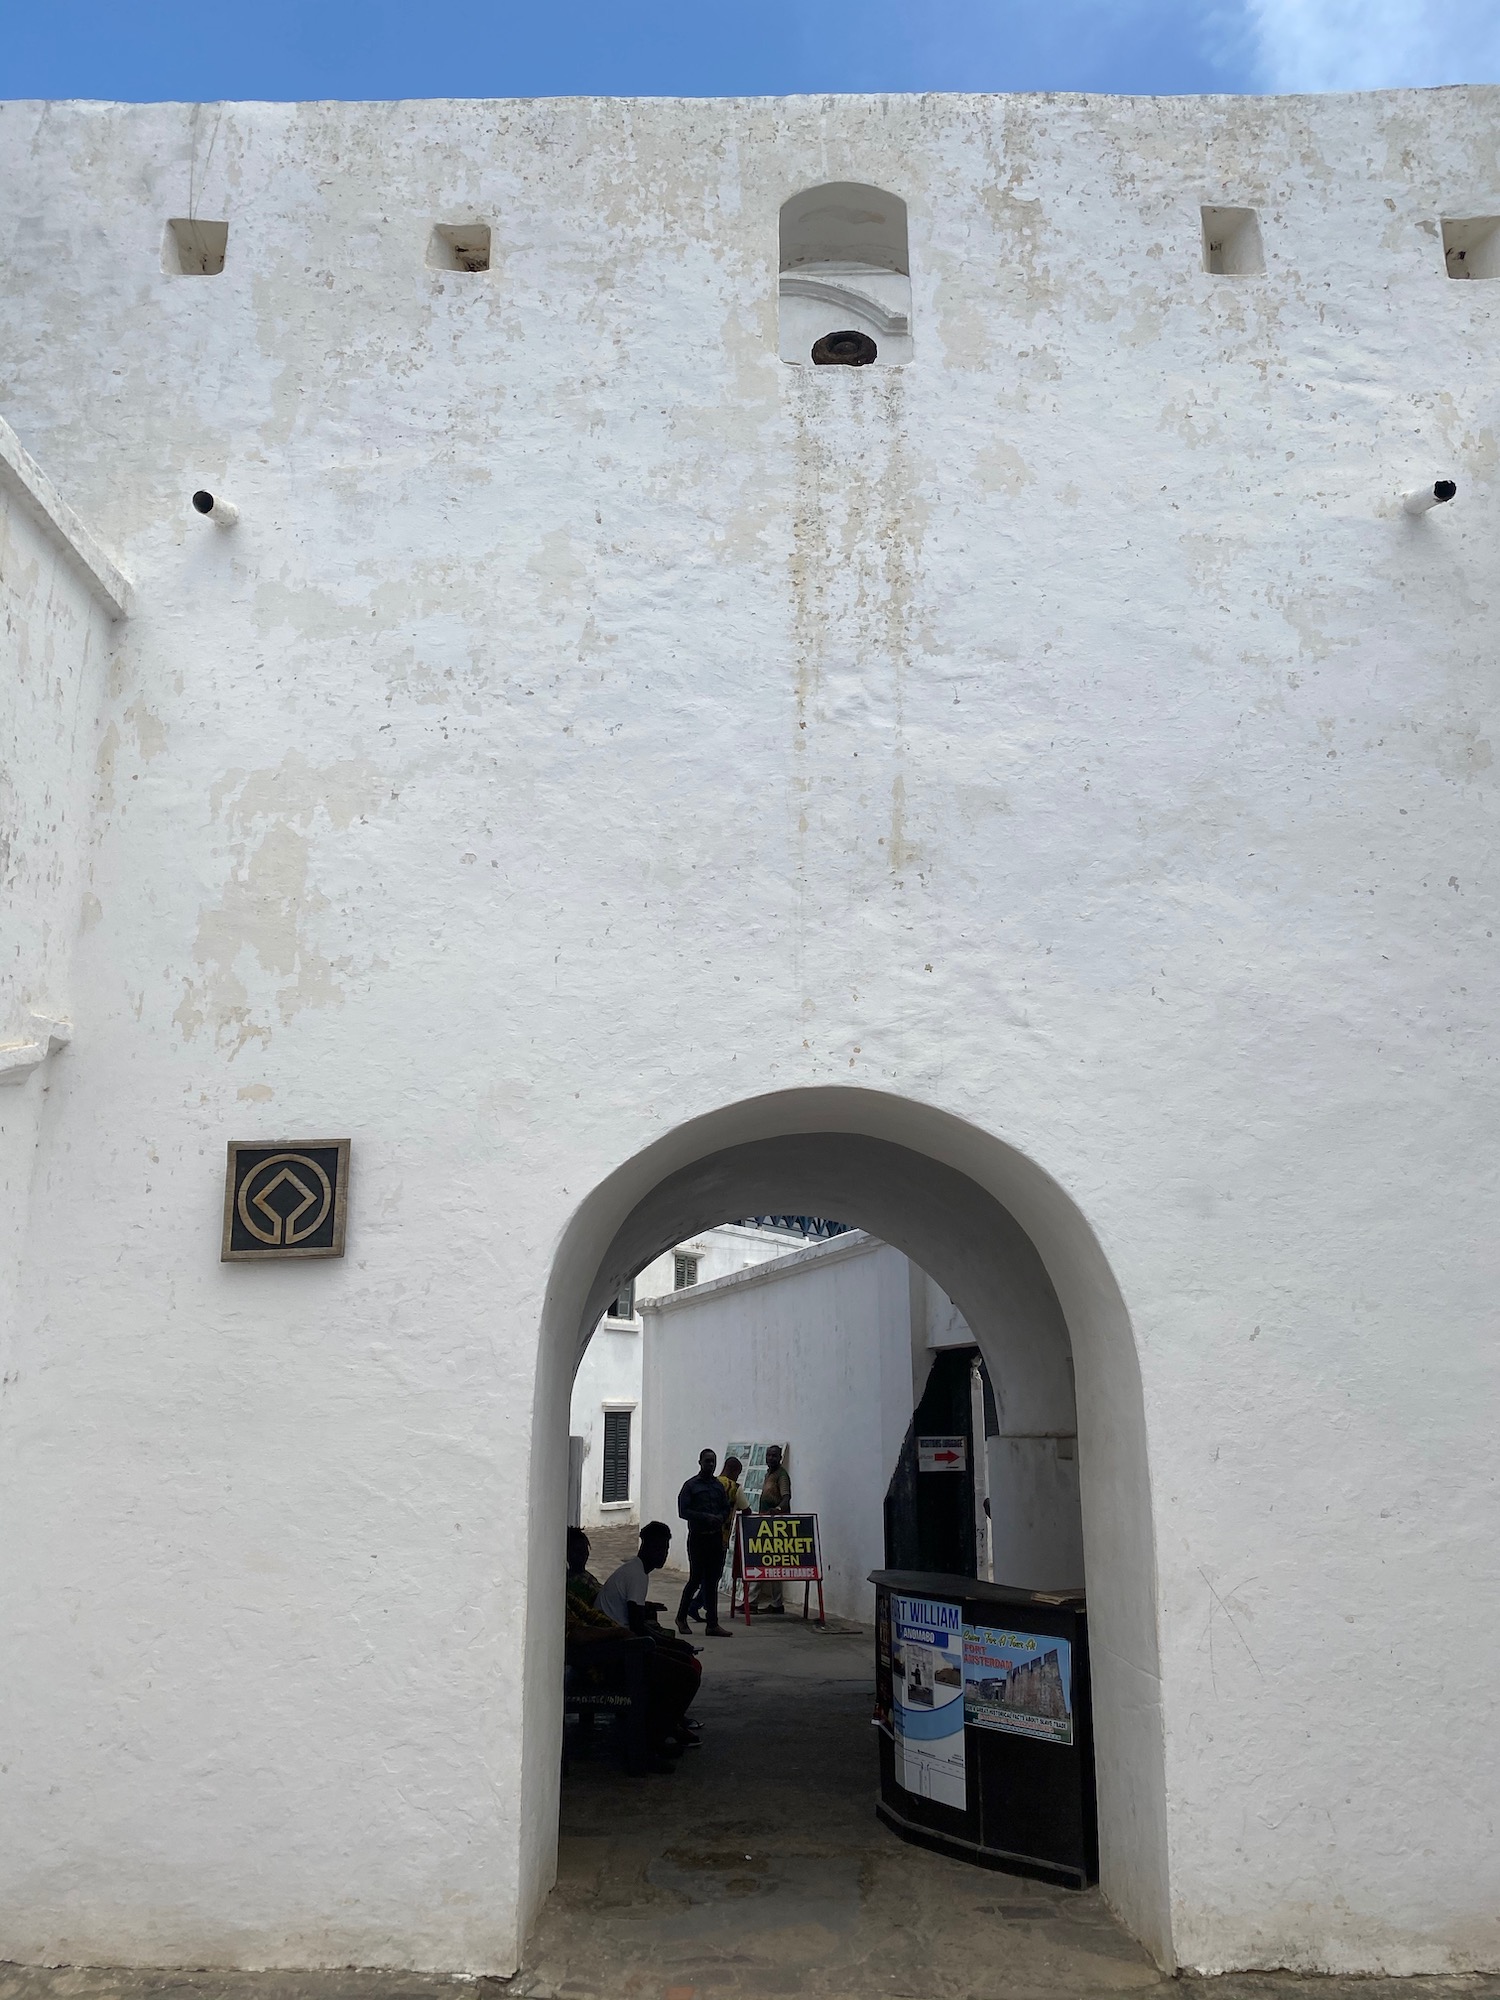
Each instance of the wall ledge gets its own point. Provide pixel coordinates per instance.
(21, 476)
(20, 1058)
(853, 1243)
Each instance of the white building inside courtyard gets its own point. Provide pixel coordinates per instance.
(824, 1350)
(606, 1442)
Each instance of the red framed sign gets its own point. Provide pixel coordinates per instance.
(776, 1548)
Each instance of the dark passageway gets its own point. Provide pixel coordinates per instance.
(759, 1868)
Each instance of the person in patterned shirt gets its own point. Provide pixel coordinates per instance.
(775, 1498)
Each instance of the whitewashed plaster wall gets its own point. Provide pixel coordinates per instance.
(1032, 1466)
(60, 594)
(609, 1375)
(593, 723)
(813, 1349)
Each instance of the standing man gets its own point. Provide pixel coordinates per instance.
(775, 1498)
(729, 1479)
(704, 1505)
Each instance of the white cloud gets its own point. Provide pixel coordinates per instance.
(1376, 44)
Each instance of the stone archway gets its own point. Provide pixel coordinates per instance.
(1021, 1262)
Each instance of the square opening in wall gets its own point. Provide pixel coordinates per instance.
(1471, 248)
(459, 246)
(193, 249)
(1231, 242)
(845, 283)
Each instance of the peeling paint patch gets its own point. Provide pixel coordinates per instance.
(257, 945)
(558, 568)
(150, 731)
(1001, 469)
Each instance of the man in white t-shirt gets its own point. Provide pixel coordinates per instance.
(622, 1595)
(673, 1671)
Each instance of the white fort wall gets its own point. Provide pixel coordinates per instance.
(595, 722)
(60, 596)
(815, 1351)
(827, 1350)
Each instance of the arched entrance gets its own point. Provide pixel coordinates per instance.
(1021, 1263)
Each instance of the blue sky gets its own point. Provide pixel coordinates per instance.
(394, 48)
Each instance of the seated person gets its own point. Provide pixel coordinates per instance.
(584, 1621)
(675, 1669)
(627, 1584)
(582, 1584)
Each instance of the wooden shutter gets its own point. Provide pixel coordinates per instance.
(616, 1455)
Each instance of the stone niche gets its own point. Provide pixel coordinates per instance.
(845, 269)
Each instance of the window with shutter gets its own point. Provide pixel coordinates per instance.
(616, 1455)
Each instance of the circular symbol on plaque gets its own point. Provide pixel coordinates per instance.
(290, 1195)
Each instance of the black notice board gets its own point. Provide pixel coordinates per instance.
(1028, 1746)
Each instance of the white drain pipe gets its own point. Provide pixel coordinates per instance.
(1422, 499)
(223, 513)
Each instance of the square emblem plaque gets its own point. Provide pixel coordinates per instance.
(285, 1199)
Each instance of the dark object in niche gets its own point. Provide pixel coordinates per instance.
(844, 350)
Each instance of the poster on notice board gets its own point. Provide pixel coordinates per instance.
(1020, 1683)
(927, 1686)
(753, 1458)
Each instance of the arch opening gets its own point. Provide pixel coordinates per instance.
(845, 273)
(1020, 1262)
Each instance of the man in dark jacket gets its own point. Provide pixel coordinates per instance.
(704, 1505)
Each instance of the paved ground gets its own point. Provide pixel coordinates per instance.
(759, 1868)
(759, 1871)
(27, 1983)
